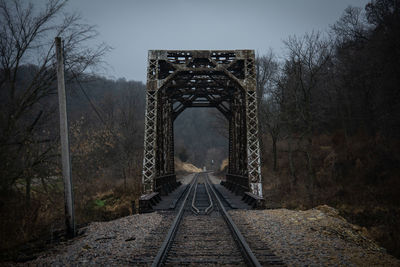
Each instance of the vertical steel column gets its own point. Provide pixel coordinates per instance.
(242, 128)
(150, 128)
(253, 146)
(166, 132)
(236, 132)
(160, 152)
(171, 154)
(231, 152)
(238, 137)
(150, 140)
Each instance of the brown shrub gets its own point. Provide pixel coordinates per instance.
(358, 175)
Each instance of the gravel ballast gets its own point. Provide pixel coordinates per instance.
(316, 237)
(103, 243)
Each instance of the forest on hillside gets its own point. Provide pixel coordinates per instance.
(328, 120)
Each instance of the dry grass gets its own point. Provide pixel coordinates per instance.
(185, 167)
(100, 199)
(224, 165)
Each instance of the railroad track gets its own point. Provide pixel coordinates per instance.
(203, 233)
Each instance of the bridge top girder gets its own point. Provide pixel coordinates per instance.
(174, 69)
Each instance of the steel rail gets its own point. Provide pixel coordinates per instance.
(247, 254)
(194, 208)
(245, 248)
(162, 252)
(197, 210)
(209, 208)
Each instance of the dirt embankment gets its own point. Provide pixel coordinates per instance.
(315, 237)
(185, 167)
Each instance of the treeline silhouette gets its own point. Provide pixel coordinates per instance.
(329, 120)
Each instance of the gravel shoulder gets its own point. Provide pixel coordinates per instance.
(103, 243)
(316, 237)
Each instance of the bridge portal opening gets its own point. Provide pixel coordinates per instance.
(201, 138)
(223, 79)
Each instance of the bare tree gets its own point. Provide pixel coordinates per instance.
(352, 26)
(27, 82)
(266, 67)
(270, 115)
(130, 128)
(268, 107)
(307, 63)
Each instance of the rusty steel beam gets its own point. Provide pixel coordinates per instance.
(180, 79)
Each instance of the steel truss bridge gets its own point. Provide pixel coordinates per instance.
(222, 79)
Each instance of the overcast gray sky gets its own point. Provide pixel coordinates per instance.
(133, 27)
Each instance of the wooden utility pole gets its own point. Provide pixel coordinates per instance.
(65, 158)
